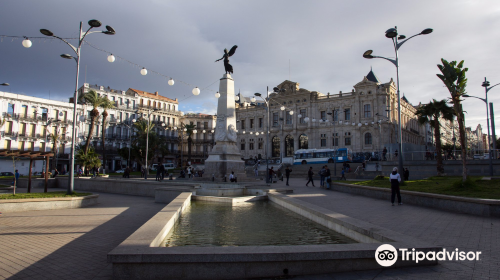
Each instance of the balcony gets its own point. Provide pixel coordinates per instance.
(161, 110)
(10, 116)
(10, 134)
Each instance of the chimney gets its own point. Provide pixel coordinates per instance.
(156, 93)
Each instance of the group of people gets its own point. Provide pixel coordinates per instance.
(384, 154)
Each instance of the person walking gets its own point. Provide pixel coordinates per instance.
(162, 174)
(343, 175)
(287, 174)
(396, 154)
(16, 176)
(406, 174)
(328, 177)
(189, 172)
(256, 170)
(310, 174)
(158, 172)
(322, 177)
(394, 178)
(55, 173)
(384, 153)
(271, 173)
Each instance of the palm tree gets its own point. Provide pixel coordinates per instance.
(105, 105)
(54, 138)
(138, 151)
(87, 159)
(430, 113)
(92, 98)
(453, 76)
(189, 128)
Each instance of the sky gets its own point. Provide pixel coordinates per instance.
(318, 44)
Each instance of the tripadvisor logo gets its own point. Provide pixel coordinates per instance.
(386, 255)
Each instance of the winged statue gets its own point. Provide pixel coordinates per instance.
(227, 66)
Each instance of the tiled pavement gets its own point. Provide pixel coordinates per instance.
(73, 243)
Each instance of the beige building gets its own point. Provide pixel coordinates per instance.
(364, 120)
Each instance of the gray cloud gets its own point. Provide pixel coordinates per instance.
(323, 40)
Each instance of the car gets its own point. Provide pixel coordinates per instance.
(478, 156)
(6, 174)
(486, 156)
(120, 171)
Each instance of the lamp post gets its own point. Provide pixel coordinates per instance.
(485, 100)
(147, 141)
(129, 137)
(392, 33)
(266, 100)
(109, 31)
(333, 114)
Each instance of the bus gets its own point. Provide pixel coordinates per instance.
(343, 155)
(305, 156)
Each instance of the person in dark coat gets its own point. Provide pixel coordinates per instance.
(287, 174)
(394, 178)
(407, 174)
(328, 178)
(271, 173)
(310, 174)
(158, 173)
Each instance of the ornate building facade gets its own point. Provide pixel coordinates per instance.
(364, 120)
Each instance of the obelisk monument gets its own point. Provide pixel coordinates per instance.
(225, 156)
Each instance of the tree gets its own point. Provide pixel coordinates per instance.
(430, 113)
(138, 148)
(105, 105)
(54, 138)
(87, 159)
(453, 77)
(189, 130)
(92, 98)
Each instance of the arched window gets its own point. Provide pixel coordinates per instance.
(368, 138)
(303, 143)
(289, 146)
(276, 147)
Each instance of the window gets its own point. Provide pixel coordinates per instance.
(56, 114)
(121, 115)
(242, 144)
(275, 119)
(133, 104)
(168, 120)
(323, 142)
(335, 115)
(323, 115)
(335, 141)
(303, 142)
(303, 113)
(276, 146)
(10, 109)
(242, 124)
(251, 123)
(205, 125)
(250, 147)
(45, 113)
(368, 113)
(7, 144)
(288, 118)
(347, 114)
(120, 100)
(347, 141)
(24, 111)
(368, 139)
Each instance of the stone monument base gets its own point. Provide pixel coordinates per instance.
(222, 160)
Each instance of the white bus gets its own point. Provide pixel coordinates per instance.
(168, 166)
(307, 156)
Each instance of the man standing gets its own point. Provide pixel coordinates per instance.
(16, 178)
(384, 153)
(327, 177)
(158, 173)
(322, 177)
(271, 173)
(310, 174)
(256, 171)
(407, 174)
(287, 174)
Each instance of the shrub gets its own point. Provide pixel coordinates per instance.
(380, 177)
(468, 184)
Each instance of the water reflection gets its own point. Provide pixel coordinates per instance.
(247, 224)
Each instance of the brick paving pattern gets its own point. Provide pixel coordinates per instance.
(73, 243)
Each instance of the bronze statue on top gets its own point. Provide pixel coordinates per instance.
(227, 66)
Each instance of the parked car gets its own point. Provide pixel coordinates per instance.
(486, 156)
(6, 174)
(120, 171)
(358, 157)
(478, 156)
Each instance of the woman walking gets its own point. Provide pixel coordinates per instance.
(394, 178)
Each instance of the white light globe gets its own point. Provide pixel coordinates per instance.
(353, 124)
(291, 112)
(244, 132)
(171, 82)
(204, 131)
(340, 122)
(256, 133)
(253, 99)
(185, 129)
(237, 98)
(217, 94)
(282, 108)
(313, 120)
(27, 43)
(111, 58)
(144, 71)
(212, 131)
(196, 91)
(359, 124)
(195, 131)
(251, 132)
(306, 119)
(299, 116)
(320, 120)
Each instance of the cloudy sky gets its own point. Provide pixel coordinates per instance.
(316, 43)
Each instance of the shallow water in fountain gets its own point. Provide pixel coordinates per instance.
(247, 224)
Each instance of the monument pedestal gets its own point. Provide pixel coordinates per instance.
(225, 156)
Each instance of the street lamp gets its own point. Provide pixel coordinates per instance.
(392, 34)
(485, 100)
(333, 114)
(147, 141)
(109, 31)
(268, 129)
(4, 84)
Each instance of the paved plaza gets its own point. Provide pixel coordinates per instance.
(73, 243)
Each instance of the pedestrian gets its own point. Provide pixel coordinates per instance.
(126, 173)
(158, 173)
(394, 178)
(343, 175)
(142, 171)
(310, 174)
(16, 176)
(271, 173)
(256, 170)
(328, 177)
(348, 167)
(55, 173)
(407, 174)
(231, 177)
(322, 176)
(396, 154)
(287, 174)
(384, 153)
(94, 170)
(189, 172)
